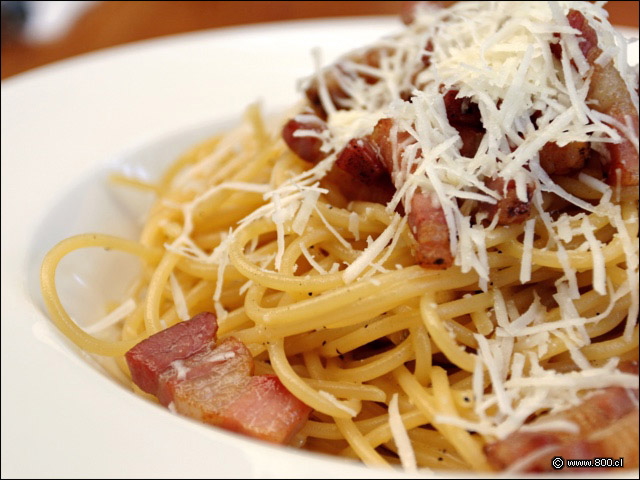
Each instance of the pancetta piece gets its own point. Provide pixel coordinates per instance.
(361, 159)
(265, 409)
(230, 361)
(332, 79)
(149, 358)
(462, 110)
(566, 159)
(353, 189)
(302, 134)
(426, 218)
(193, 376)
(429, 227)
(608, 94)
(509, 208)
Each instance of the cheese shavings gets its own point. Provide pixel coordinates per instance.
(178, 299)
(527, 394)
(400, 437)
(371, 252)
(525, 266)
(316, 266)
(337, 403)
(354, 222)
(599, 274)
(115, 316)
(302, 217)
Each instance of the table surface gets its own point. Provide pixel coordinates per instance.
(114, 23)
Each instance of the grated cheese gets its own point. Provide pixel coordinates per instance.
(311, 260)
(401, 437)
(302, 217)
(337, 403)
(525, 266)
(112, 318)
(354, 222)
(371, 252)
(599, 273)
(178, 299)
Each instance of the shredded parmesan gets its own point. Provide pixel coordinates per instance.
(311, 260)
(354, 222)
(525, 266)
(337, 403)
(178, 299)
(599, 274)
(116, 315)
(400, 437)
(371, 252)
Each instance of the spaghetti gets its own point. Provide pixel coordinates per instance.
(400, 362)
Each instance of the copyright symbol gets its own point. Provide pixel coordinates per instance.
(557, 463)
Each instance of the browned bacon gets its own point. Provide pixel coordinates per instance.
(426, 217)
(429, 227)
(510, 209)
(471, 138)
(607, 427)
(307, 147)
(148, 359)
(464, 115)
(563, 160)
(280, 415)
(353, 189)
(381, 138)
(229, 360)
(338, 96)
(188, 372)
(609, 95)
(361, 159)
(462, 110)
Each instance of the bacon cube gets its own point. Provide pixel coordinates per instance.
(148, 359)
(212, 383)
(265, 409)
(210, 369)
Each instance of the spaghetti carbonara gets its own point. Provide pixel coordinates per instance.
(440, 259)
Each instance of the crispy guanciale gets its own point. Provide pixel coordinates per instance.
(607, 427)
(556, 160)
(150, 358)
(509, 208)
(608, 94)
(191, 374)
(307, 147)
(426, 217)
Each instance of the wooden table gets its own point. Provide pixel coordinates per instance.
(114, 23)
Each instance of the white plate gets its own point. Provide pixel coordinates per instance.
(61, 126)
